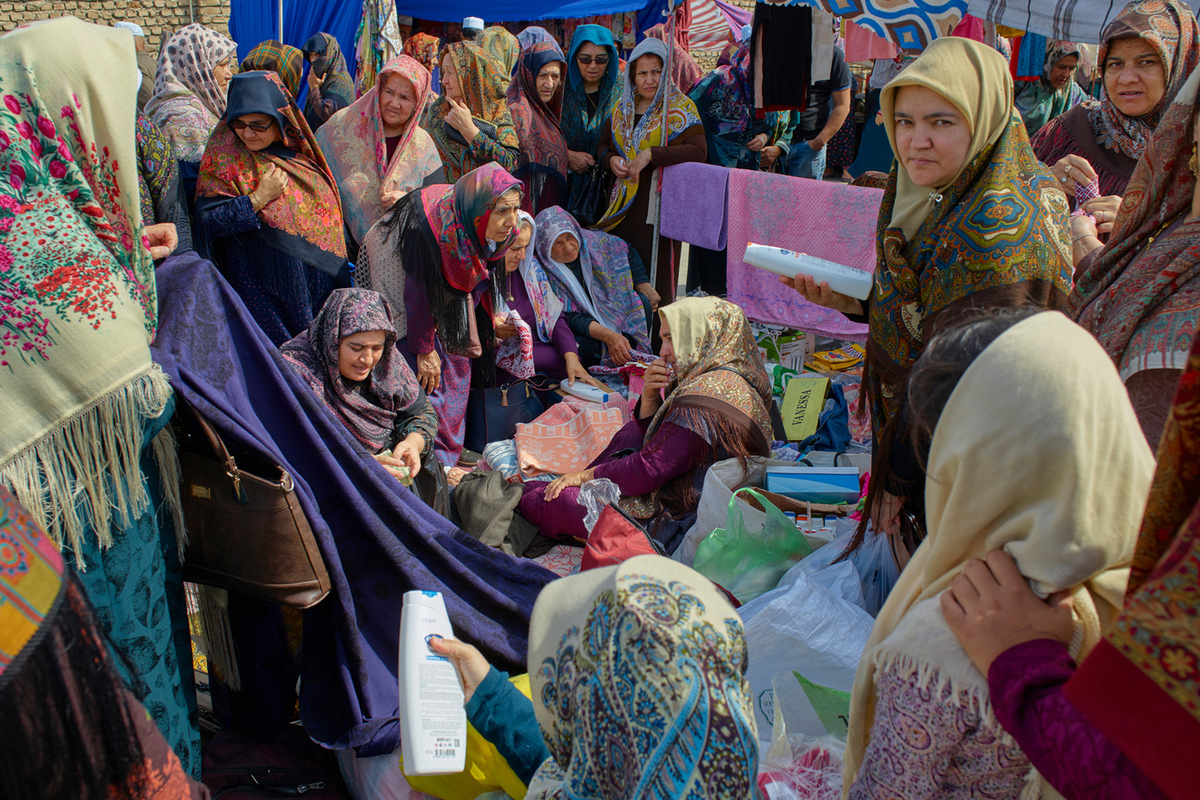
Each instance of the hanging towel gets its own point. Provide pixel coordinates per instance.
(863, 45)
(1031, 58)
(693, 204)
(822, 45)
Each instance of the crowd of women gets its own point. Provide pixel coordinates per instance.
(1031, 337)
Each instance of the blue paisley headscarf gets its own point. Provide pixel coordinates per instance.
(638, 676)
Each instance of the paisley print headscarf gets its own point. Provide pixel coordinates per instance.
(187, 101)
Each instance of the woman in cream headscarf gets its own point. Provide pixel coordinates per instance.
(1032, 453)
(194, 69)
(969, 219)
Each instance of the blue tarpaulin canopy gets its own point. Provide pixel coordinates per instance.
(509, 10)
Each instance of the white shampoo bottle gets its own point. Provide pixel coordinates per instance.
(789, 264)
(433, 722)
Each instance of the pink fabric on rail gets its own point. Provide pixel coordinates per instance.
(829, 220)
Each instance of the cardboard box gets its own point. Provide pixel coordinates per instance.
(802, 405)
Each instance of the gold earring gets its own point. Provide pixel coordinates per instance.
(1194, 161)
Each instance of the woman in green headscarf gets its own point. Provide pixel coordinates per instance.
(1056, 92)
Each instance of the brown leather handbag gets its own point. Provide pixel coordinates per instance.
(246, 533)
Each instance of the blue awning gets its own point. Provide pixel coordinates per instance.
(509, 10)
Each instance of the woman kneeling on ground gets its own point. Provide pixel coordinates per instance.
(526, 291)
(606, 294)
(714, 407)
(348, 358)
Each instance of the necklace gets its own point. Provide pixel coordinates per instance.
(1164, 226)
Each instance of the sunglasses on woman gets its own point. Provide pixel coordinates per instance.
(601, 59)
(258, 127)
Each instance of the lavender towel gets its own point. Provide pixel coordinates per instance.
(693, 204)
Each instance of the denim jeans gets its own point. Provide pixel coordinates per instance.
(804, 163)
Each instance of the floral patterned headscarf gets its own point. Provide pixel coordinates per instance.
(353, 141)
(393, 387)
(639, 685)
(187, 101)
(1170, 27)
(306, 220)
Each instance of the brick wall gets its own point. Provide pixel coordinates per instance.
(158, 18)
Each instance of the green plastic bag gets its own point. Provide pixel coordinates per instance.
(750, 563)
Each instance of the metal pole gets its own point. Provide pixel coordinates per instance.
(281, 21)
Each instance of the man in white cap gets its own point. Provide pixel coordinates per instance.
(471, 28)
(147, 65)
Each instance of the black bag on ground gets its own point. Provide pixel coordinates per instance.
(493, 414)
(238, 766)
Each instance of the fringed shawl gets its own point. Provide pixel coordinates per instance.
(1012, 466)
(80, 306)
(355, 147)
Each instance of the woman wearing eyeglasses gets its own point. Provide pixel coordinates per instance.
(268, 208)
(593, 86)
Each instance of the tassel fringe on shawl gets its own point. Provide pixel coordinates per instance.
(86, 474)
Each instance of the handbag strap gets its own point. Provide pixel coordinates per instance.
(221, 451)
(532, 383)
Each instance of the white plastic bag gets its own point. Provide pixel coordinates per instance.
(803, 626)
(874, 561)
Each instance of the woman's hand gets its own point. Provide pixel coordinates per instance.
(756, 144)
(573, 479)
(618, 347)
(822, 295)
(503, 328)
(639, 163)
(577, 372)
(618, 167)
(990, 608)
(657, 378)
(270, 185)
(389, 199)
(770, 155)
(1104, 209)
(160, 239)
(472, 667)
(647, 291)
(429, 371)
(1084, 238)
(314, 81)
(459, 117)
(1071, 170)
(578, 161)
(392, 464)
(409, 452)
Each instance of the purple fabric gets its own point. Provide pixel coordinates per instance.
(693, 204)
(377, 538)
(824, 219)
(1025, 683)
(737, 18)
(547, 356)
(449, 401)
(672, 452)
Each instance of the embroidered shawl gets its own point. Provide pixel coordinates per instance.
(393, 389)
(1151, 655)
(306, 220)
(547, 307)
(1140, 295)
(621, 724)
(284, 60)
(543, 148)
(79, 308)
(337, 91)
(607, 294)
(1168, 25)
(1000, 227)
(504, 51)
(629, 139)
(187, 101)
(582, 129)
(1012, 466)
(479, 81)
(355, 146)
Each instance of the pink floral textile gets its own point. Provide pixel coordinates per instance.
(568, 436)
(515, 354)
